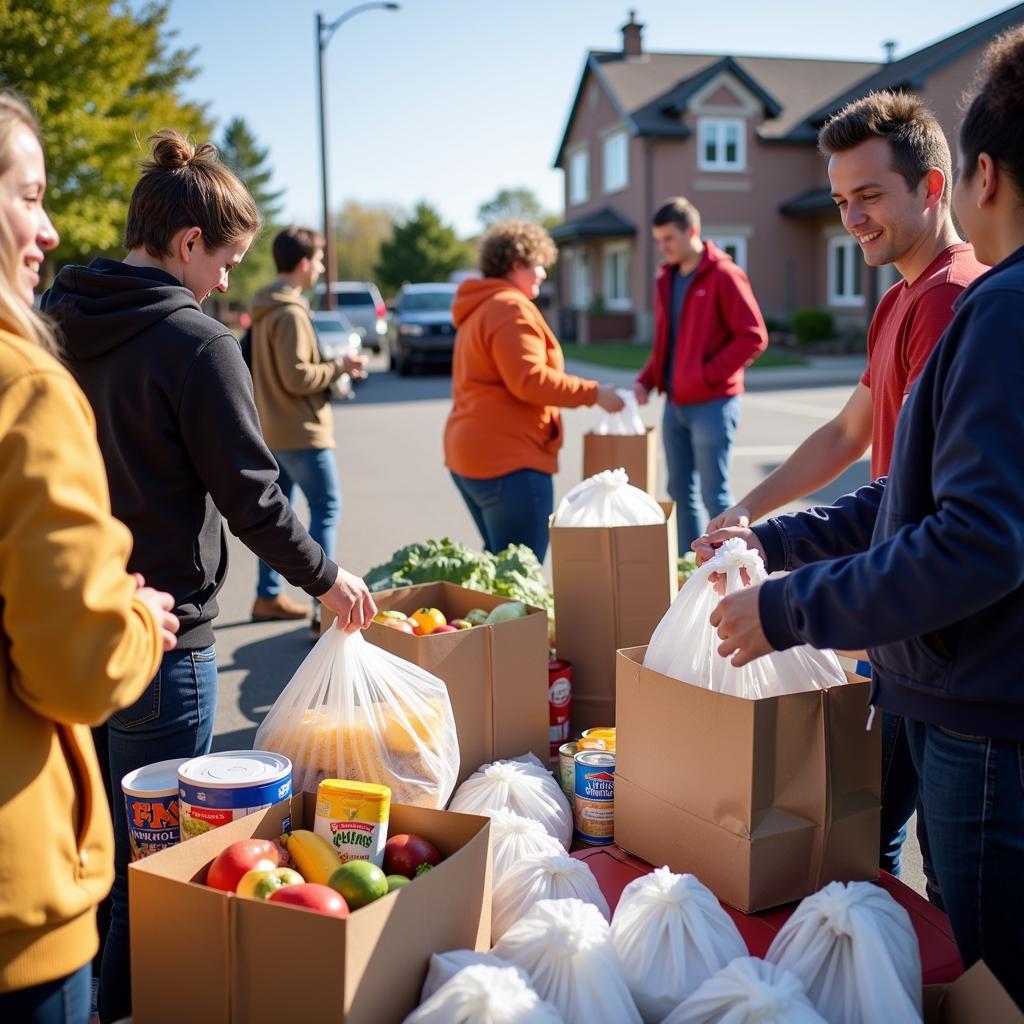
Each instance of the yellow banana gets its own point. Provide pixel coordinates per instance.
(314, 858)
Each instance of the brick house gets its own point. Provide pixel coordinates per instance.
(737, 136)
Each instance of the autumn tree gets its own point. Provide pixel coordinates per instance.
(518, 203)
(359, 232)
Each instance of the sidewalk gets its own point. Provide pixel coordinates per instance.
(820, 372)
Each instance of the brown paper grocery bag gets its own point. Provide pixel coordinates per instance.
(637, 454)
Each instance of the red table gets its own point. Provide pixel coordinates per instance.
(940, 962)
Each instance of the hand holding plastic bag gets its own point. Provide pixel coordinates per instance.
(485, 995)
(685, 644)
(626, 422)
(354, 711)
(608, 499)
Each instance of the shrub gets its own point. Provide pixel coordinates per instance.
(810, 325)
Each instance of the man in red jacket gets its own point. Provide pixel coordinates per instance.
(707, 328)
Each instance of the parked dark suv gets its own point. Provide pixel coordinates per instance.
(421, 329)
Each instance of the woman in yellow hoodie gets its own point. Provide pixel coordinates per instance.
(79, 637)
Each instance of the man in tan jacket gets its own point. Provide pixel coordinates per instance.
(291, 383)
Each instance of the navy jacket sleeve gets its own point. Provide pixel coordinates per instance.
(221, 429)
(967, 552)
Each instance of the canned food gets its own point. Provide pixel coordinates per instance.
(353, 818)
(594, 811)
(567, 769)
(599, 730)
(216, 789)
(151, 803)
(559, 703)
(597, 741)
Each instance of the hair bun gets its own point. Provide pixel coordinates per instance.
(173, 151)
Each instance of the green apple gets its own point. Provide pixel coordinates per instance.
(260, 884)
(461, 623)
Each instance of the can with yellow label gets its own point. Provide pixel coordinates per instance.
(353, 818)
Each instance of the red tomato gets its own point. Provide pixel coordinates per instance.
(311, 896)
(238, 859)
(403, 854)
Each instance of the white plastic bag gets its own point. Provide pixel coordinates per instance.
(444, 966)
(514, 838)
(521, 786)
(543, 876)
(354, 711)
(566, 949)
(608, 499)
(485, 995)
(626, 422)
(671, 935)
(749, 991)
(855, 950)
(685, 644)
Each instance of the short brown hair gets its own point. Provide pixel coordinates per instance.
(915, 137)
(515, 241)
(292, 245)
(678, 211)
(183, 186)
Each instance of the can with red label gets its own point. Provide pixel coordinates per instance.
(559, 703)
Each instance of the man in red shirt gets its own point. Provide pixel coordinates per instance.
(889, 166)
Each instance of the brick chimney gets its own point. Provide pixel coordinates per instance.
(632, 37)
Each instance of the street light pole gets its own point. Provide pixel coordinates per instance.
(324, 32)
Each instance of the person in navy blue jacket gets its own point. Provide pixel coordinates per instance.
(925, 567)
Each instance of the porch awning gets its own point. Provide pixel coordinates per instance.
(603, 223)
(809, 204)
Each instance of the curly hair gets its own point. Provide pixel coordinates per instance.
(515, 241)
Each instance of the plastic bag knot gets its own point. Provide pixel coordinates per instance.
(610, 479)
(734, 554)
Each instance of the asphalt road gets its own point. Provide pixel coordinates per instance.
(396, 490)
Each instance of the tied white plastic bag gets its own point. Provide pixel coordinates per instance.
(671, 935)
(544, 876)
(855, 950)
(566, 949)
(608, 499)
(485, 995)
(354, 711)
(749, 991)
(444, 966)
(524, 787)
(626, 422)
(685, 644)
(514, 838)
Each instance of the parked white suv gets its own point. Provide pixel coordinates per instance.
(361, 302)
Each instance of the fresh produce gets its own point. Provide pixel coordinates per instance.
(311, 854)
(312, 896)
(405, 854)
(686, 566)
(397, 882)
(461, 623)
(260, 884)
(360, 882)
(476, 616)
(390, 614)
(426, 620)
(507, 612)
(236, 860)
(402, 625)
(446, 628)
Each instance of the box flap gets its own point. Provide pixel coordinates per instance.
(976, 997)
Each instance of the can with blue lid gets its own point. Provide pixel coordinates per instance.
(216, 789)
(594, 806)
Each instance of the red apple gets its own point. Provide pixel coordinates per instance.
(404, 854)
(448, 628)
(312, 896)
(239, 858)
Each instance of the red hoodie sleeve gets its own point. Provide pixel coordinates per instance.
(748, 334)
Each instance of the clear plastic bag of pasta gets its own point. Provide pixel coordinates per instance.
(354, 711)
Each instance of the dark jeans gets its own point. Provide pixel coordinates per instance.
(972, 798)
(510, 509)
(173, 718)
(698, 445)
(62, 1001)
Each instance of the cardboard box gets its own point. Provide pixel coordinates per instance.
(612, 586)
(976, 997)
(209, 957)
(637, 454)
(497, 676)
(764, 800)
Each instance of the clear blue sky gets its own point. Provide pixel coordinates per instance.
(451, 100)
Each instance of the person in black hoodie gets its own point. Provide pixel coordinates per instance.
(925, 567)
(183, 451)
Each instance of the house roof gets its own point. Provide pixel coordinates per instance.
(603, 223)
(809, 203)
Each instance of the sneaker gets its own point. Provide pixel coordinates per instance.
(279, 607)
(314, 626)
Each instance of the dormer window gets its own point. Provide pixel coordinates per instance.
(722, 142)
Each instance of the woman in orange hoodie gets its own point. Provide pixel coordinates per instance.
(508, 382)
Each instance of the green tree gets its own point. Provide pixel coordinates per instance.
(521, 203)
(241, 152)
(423, 248)
(101, 77)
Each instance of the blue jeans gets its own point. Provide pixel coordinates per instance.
(698, 442)
(62, 1001)
(173, 718)
(315, 474)
(972, 798)
(511, 509)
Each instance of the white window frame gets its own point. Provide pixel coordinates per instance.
(852, 263)
(718, 127)
(616, 274)
(579, 176)
(738, 242)
(582, 292)
(613, 162)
